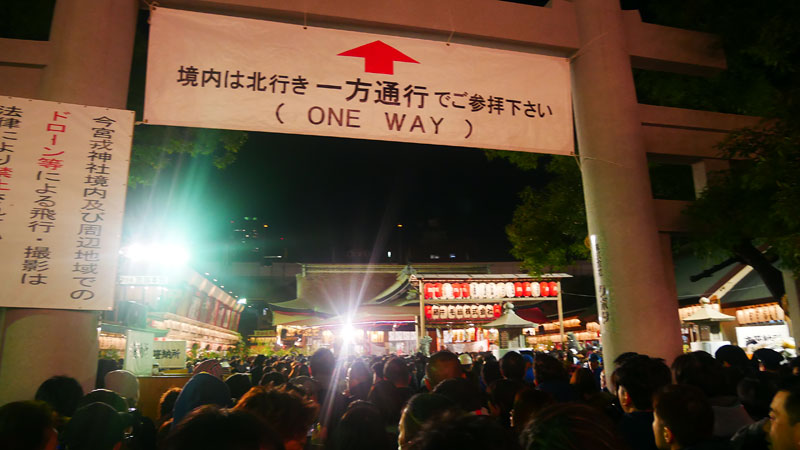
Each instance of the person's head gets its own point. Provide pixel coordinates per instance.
(299, 370)
(466, 362)
(501, 398)
(62, 393)
(584, 383)
(125, 384)
(768, 360)
(732, 356)
(239, 384)
(322, 363)
(396, 372)
(701, 370)
(358, 373)
(96, 426)
(442, 366)
(361, 428)
(512, 366)
(462, 392)
(289, 413)
(110, 398)
(623, 357)
(167, 402)
(527, 405)
(464, 432)
(638, 379)
(784, 430)
(202, 389)
(756, 395)
(682, 416)
(272, 378)
(211, 366)
(570, 426)
(419, 409)
(212, 428)
(547, 368)
(27, 426)
(490, 372)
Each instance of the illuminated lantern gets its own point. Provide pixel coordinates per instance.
(510, 290)
(528, 289)
(451, 312)
(545, 289)
(535, 290)
(553, 288)
(481, 312)
(459, 312)
(473, 311)
(497, 310)
(473, 288)
(465, 290)
(480, 290)
(456, 290)
(437, 293)
(435, 312)
(428, 311)
(780, 313)
(428, 290)
(519, 290)
(447, 291)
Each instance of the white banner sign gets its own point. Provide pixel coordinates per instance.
(215, 71)
(763, 336)
(139, 352)
(63, 176)
(170, 354)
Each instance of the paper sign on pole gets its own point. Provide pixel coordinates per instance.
(63, 177)
(139, 352)
(170, 354)
(215, 71)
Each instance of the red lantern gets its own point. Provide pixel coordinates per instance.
(497, 310)
(428, 290)
(456, 290)
(437, 293)
(553, 289)
(526, 286)
(465, 292)
(519, 291)
(428, 312)
(544, 289)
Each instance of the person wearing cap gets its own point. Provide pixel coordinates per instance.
(466, 362)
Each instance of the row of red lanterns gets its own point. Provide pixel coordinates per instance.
(449, 291)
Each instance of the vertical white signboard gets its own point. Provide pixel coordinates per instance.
(139, 352)
(63, 176)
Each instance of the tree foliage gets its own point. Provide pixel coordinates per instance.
(154, 147)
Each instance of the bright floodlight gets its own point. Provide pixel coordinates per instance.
(242, 301)
(348, 332)
(163, 254)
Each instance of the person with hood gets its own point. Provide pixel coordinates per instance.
(202, 389)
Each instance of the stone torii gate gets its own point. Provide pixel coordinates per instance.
(88, 59)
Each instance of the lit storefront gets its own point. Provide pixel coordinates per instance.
(179, 306)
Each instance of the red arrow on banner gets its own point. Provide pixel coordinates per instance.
(378, 57)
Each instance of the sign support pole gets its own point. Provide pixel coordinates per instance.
(561, 318)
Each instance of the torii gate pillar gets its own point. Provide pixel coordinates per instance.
(637, 311)
(92, 51)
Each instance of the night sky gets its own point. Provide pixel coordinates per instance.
(326, 196)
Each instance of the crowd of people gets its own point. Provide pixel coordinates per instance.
(445, 401)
